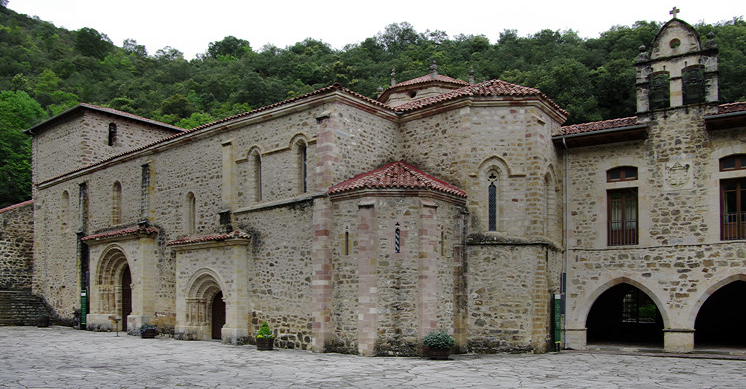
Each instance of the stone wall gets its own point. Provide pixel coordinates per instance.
(680, 259)
(279, 257)
(16, 246)
(83, 140)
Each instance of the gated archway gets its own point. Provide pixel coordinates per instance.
(624, 314)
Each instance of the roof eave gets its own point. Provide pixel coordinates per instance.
(725, 121)
(605, 136)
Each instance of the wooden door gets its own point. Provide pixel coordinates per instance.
(218, 315)
(126, 296)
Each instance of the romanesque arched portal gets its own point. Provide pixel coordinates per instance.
(109, 295)
(205, 307)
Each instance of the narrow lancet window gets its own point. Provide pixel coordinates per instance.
(492, 202)
(112, 134)
(116, 203)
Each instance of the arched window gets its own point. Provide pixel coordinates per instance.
(257, 165)
(116, 203)
(191, 214)
(492, 199)
(65, 210)
(302, 167)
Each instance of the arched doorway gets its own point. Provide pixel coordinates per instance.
(205, 311)
(625, 314)
(126, 297)
(218, 315)
(722, 319)
(111, 295)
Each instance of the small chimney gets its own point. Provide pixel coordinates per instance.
(471, 76)
(434, 70)
(393, 76)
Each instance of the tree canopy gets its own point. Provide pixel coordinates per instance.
(591, 78)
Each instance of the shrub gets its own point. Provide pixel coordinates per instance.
(146, 327)
(439, 340)
(264, 332)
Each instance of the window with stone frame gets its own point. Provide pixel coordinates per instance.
(622, 214)
(733, 199)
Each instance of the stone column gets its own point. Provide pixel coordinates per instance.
(678, 340)
(321, 278)
(236, 330)
(367, 255)
(427, 288)
(144, 280)
(229, 176)
(576, 338)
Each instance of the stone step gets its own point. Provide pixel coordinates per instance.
(20, 308)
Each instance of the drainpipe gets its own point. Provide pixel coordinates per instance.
(565, 223)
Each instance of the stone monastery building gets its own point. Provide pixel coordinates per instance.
(357, 225)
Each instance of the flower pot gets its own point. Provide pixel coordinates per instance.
(149, 333)
(42, 321)
(265, 344)
(439, 354)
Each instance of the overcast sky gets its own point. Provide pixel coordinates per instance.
(190, 25)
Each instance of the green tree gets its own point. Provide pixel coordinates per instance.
(230, 46)
(92, 43)
(18, 111)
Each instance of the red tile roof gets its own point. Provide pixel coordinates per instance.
(483, 89)
(120, 233)
(132, 116)
(601, 125)
(397, 175)
(14, 206)
(209, 238)
(428, 78)
(41, 126)
(732, 107)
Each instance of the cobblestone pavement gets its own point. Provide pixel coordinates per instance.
(60, 357)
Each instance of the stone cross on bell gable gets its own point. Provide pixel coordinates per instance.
(674, 11)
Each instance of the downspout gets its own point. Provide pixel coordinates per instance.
(565, 223)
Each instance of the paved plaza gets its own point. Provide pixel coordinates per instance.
(60, 357)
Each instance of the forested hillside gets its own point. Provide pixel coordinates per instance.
(45, 70)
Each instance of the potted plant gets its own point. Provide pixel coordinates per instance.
(439, 344)
(264, 338)
(148, 331)
(42, 320)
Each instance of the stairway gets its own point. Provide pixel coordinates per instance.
(20, 308)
